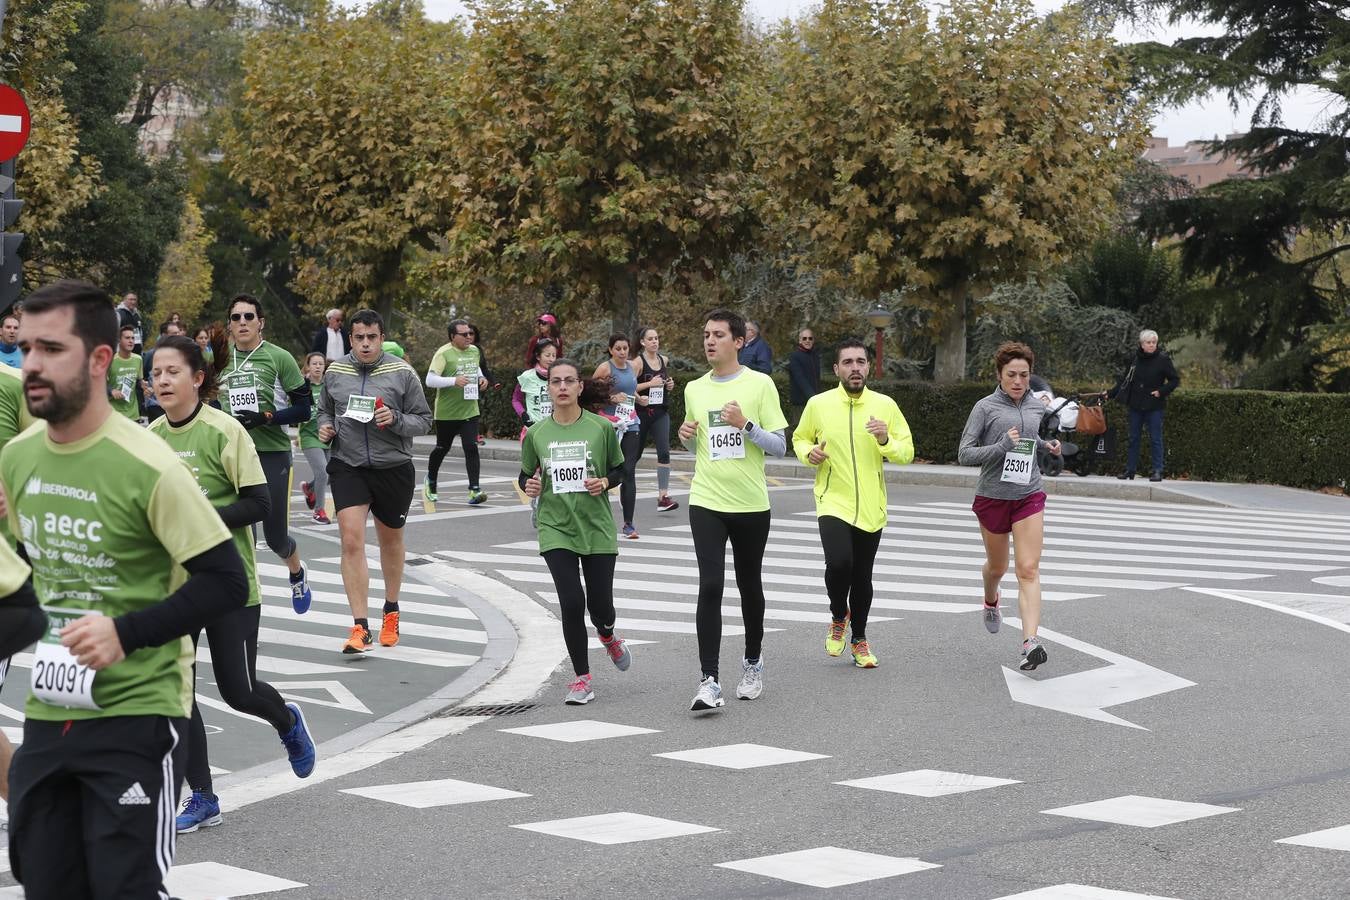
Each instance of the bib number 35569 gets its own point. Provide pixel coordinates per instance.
(57, 678)
(1019, 462)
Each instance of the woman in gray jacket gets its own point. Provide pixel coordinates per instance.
(1002, 436)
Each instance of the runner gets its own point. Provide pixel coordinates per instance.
(846, 434)
(546, 326)
(576, 529)
(654, 383)
(371, 407)
(732, 417)
(530, 399)
(108, 513)
(456, 407)
(1002, 437)
(622, 408)
(257, 374)
(123, 373)
(222, 458)
(315, 450)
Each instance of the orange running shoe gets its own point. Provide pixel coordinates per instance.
(359, 641)
(389, 630)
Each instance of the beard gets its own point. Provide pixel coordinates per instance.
(62, 403)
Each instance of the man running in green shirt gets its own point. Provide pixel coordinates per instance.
(845, 434)
(732, 418)
(105, 510)
(123, 373)
(456, 373)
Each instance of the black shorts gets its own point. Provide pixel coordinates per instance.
(92, 806)
(388, 492)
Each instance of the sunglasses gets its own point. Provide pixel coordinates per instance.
(463, 334)
(808, 340)
(247, 317)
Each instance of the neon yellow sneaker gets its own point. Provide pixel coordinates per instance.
(862, 656)
(834, 641)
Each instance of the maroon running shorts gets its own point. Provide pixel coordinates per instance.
(998, 516)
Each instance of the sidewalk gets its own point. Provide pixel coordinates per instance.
(1207, 493)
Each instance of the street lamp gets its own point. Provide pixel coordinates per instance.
(880, 317)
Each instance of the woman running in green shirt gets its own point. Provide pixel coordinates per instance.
(577, 457)
(315, 450)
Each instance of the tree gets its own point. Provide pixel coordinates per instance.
(184, 283)
(596, 143)
(341, 139)
(943, 154)
(1240, 233)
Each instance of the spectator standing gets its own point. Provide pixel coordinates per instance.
(756, 353)
(546, 326)
(331, 340)
(803, 373)
(129, 315)
(10, 354)
(1143, 389)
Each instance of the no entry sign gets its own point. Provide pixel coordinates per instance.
(14, 123)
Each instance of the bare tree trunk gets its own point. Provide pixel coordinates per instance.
(388, 282)
(623, 303)
(950, 359)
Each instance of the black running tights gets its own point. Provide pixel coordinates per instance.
(276, 466)
(631, 444)
(749, 535)
(446, 431)
(574, 602)
(233, 639)
(849, 554)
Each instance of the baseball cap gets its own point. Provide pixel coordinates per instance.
(547, 319)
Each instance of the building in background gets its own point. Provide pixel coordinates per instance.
(1193, 163)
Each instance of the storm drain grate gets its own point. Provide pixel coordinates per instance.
(500, 709)
(419, 561)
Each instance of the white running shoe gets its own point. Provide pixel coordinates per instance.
(752, 680)
(709, 695)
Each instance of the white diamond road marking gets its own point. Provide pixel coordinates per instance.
(928, 783)
(741, 756)
(205, 880)
(580, 730)
(1327, 839)
(1080, 892)
(616, 828)
(1143, 812)
(428, 794)
(829, 867)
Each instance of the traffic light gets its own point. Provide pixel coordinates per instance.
(11, 266)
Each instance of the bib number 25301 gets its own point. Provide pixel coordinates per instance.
(1019, 462)
(57, 678)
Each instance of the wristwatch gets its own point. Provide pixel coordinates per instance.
(749, 426)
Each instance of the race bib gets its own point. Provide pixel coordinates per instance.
(360, 408)
(567, 467)
(469, 370)
(241, 392)
(656, 396)
(724, 441)
(625, 412)
(126, 385)
(545, 409)
(57, 678)
(136, 336)
(1019, 462)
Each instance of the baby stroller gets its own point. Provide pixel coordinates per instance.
(1079, 456)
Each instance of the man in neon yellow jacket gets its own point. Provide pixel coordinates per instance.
(845, 434)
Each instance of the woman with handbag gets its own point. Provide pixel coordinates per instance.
(1143, 389)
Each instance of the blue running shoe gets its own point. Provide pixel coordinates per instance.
(201, 810)
(299, 745)
(300, 595)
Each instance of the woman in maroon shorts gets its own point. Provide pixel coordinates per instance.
(1002, 436)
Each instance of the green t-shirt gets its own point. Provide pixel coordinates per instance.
(14, 418)
(734, 484)
(104, 520)
(123, 375)
(534, 391)
(569, 517)
(450, 402)
(13, 570)
(260, 379)
(309, 430)
(222, 459)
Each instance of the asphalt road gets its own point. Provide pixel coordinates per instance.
(1193, 696)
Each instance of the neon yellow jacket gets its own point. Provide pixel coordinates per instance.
(849, 484)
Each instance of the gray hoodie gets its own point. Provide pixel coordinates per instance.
(397, 386)
(985, 441)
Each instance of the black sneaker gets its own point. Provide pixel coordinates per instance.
(1033, 655)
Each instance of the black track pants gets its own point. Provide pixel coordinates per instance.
(749, 535)
(849, 555)
(446, 432)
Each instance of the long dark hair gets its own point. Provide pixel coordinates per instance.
(539, 348)
(196, 361)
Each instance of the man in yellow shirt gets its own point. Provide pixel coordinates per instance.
(845, 434)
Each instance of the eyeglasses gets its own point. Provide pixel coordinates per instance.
(463, 334)
(564, 382)
(247, 317)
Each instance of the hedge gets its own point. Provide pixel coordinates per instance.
(1299, 440)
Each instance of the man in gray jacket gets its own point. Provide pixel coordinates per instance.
(370, 408)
